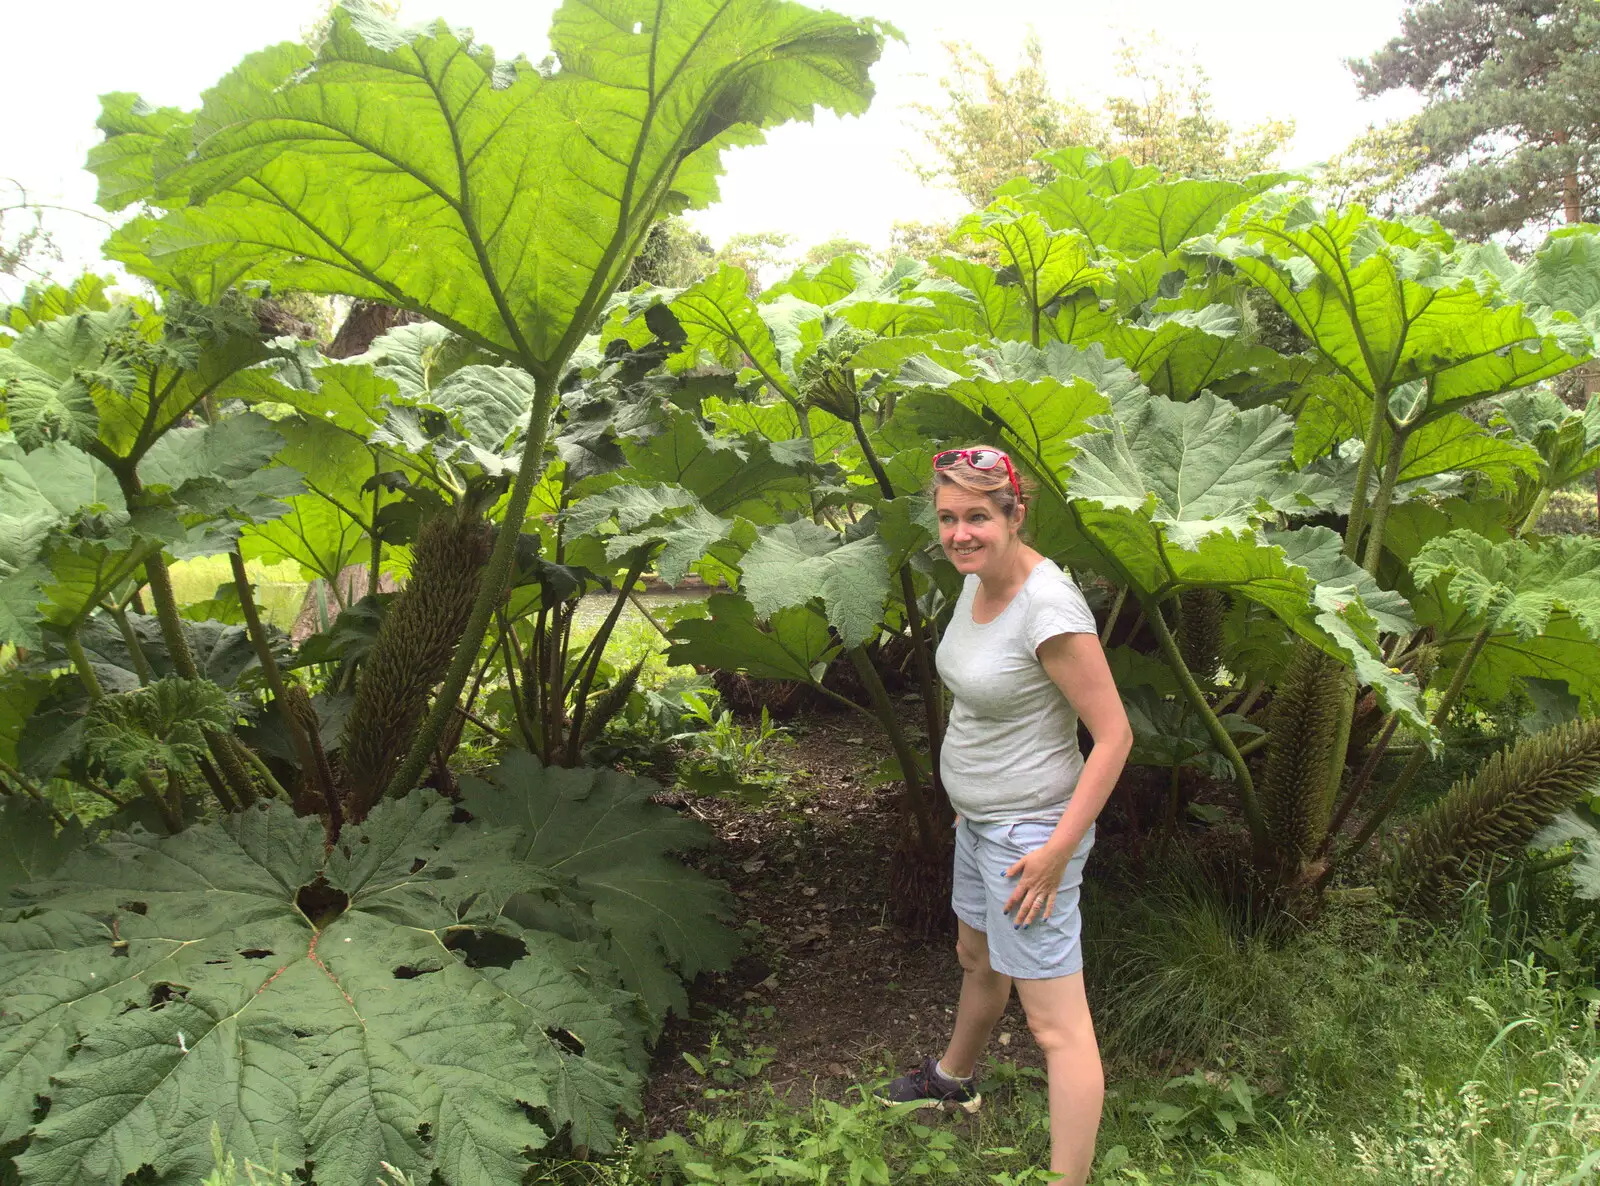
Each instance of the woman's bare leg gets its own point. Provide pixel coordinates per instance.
(984, 994)
(1058, 1015)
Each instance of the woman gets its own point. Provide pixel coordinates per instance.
(1022, 659)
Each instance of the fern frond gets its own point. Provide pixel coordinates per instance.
(1490, 817)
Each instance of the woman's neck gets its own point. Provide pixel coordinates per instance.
(1013, 571)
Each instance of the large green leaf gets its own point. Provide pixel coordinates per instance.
(791, 564)
(1517, 585)
(1567, 441)
(1175, 496)
(412, 167)
(364, 1003)
(722, 320)
(749, 475)
(1335, 411)
(1540, 602)
(793, 644)
(1389, 305)
(599, 829)
(1048, 264)
(667, 518)
(30, 845)
(1133, 210)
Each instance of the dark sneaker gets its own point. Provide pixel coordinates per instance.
(927, 1087)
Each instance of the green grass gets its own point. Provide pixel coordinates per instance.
(1368, 1051)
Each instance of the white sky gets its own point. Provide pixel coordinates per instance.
(1266, 58)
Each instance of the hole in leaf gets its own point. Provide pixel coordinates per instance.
(300, 1033)
(418, 865)
(256, 953)
(568, 1041)
(410, 972)
(216, 961)
(425, 1131)
(135, 907)
(162, 994)
(485, 949)
(321, 903)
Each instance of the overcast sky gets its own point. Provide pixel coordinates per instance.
(1266, 58)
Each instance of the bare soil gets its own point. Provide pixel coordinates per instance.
(846, 988)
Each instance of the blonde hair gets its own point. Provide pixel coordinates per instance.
(993, 484)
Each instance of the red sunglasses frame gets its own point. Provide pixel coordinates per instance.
(966, 455)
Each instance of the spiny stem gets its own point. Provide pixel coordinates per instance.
(1420, 755)
(1253, 817)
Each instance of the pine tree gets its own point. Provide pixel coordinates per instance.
(1510, 131)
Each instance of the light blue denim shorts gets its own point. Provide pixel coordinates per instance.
(1042, 949)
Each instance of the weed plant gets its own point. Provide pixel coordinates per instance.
(1365, 1050)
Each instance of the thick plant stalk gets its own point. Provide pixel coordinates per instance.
(299, 703)
(1254, 819)
(1111, 617)
(1494, 814)
(257, 633)
(13, 775)
(916, 802)
(927, 678)
(519, 705)
(1382, 503)
(1358, 499)
(589, 665)
(1420, 755)
(1422, 665)
(224, 746)
(141, 665)
(413, 648)
(490, 589)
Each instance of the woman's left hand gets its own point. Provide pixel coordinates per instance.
(1038, 877)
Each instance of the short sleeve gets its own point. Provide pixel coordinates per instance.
(1058, 607)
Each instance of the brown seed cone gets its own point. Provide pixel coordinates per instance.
(410, 655)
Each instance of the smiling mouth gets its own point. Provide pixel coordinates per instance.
(967, 551)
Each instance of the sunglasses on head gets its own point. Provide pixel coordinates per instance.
(979, 459)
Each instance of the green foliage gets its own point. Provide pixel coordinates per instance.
(159, 727)
(1520, 76)
(653, 919)
(411, 950)
(1201, 1106)
(1489, 819)
(724, 757)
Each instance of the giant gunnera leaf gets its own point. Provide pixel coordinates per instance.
(369, 1002)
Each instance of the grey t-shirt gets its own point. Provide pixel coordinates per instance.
(1011, 748)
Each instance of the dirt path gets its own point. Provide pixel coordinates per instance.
(827, 981)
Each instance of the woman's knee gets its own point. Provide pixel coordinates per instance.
(972, 950)
(1061, 1024)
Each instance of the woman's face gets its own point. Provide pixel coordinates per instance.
(974, 534)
